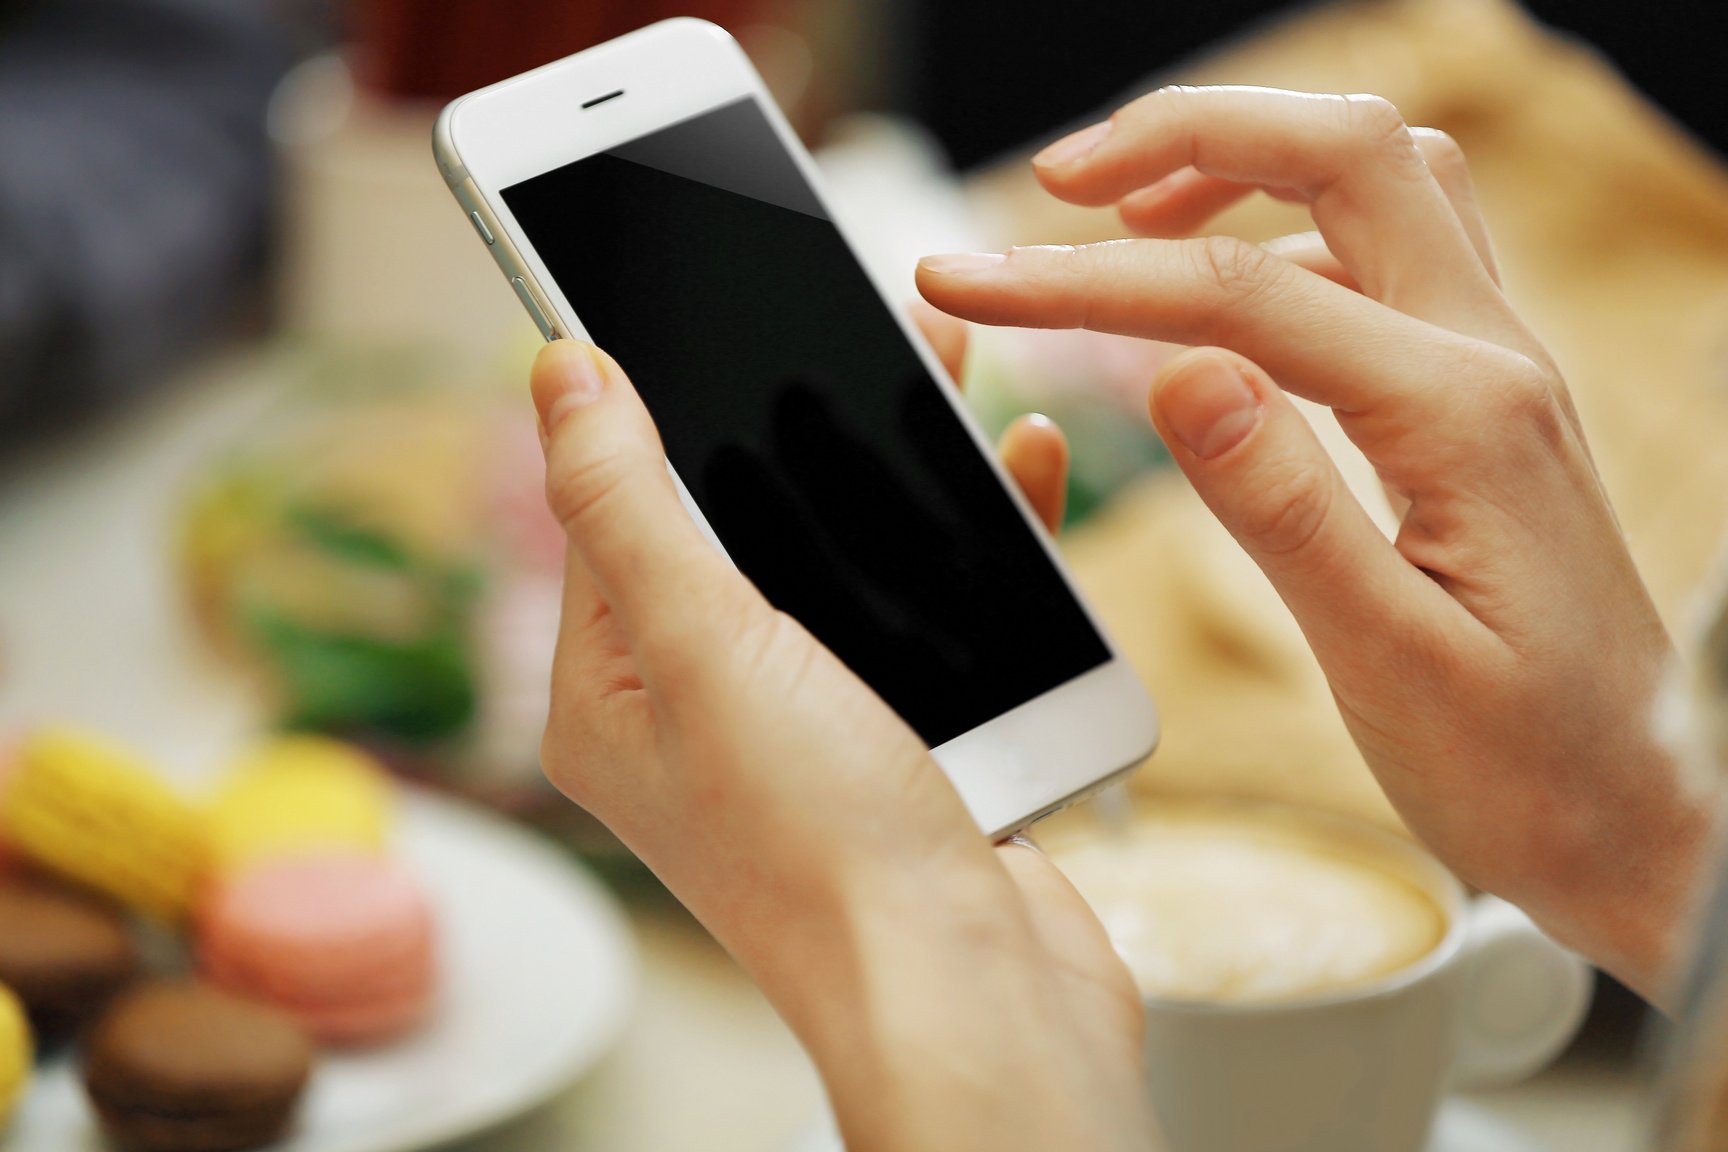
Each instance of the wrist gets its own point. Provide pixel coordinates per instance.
(934, 1017)
(1623, 891)
(887, 958)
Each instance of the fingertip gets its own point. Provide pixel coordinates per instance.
(551, 356)
(1074, 185)
(1035, 453)
(1189, 359)
(947, 335)
(933, 285)
(567, 374)
(1150, 211)
(929, 318)
(1207, 401)
(1179, 204)
(1063, 167)
(1037, 433)
(1070, 150)
(1051, 181)
(960, 264)
(956, 285)
(928, 285)
(984, 288)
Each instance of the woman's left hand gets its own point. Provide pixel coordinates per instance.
(953, 995)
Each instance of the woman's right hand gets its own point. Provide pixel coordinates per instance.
(1499, 662)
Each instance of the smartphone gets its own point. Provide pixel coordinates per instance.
(648, 195)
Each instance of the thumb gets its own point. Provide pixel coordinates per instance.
(608, 485)
(1258, 466)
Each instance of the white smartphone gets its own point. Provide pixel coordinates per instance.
(647, 194)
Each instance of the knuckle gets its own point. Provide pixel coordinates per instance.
(1292, 510)
(1375, 133)
(1153, 102)
(1375, 122)
(1241, 271)
(1093, 285)
(580, 492)
(1524, 399)
(1074, 272)
(1442, 152)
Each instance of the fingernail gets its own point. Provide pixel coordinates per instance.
(570, 376)
(962, 262)
(1208, 405)
(1073, 146)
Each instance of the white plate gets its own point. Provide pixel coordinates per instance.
(538, 976)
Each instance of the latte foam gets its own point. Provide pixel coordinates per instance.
(1218, 903)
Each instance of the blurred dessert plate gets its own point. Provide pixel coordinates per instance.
(538, 978)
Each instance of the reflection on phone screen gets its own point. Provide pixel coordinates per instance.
(805, 426)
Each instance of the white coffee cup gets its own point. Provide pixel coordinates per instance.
(1364, 1068)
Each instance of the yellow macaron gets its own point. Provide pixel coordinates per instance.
(91, 811)
(296, 795)
(16, 1053)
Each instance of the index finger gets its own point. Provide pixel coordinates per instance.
(1320, 340)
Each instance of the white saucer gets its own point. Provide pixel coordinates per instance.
(538, 977)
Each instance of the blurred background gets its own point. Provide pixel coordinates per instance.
(266, 458)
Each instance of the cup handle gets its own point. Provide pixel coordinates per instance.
(1524, 997)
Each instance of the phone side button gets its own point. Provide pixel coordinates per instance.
(480, 227)
(527, 297)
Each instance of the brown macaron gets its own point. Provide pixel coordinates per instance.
(177, 1066)
(64, 953)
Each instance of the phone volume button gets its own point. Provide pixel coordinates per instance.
(480, 227)
(526, 295)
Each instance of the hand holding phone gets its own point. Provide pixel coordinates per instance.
(769, 753)
(647, 193)
(808, 826)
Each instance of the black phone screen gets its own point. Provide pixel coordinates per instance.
(805, 427)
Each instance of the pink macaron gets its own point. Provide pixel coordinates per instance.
(343, 943)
